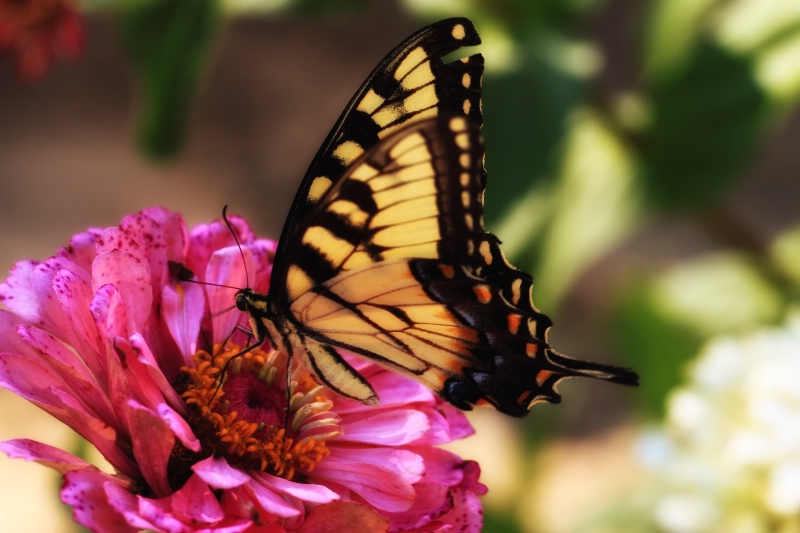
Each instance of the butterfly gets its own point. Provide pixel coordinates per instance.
(384, 253)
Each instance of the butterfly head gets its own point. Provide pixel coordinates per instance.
(256, 305)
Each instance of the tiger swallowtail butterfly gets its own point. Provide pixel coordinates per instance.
(384, 253)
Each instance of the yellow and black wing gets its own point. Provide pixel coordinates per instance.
(411, 84)
(385, 254)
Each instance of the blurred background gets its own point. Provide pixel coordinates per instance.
(642, 164)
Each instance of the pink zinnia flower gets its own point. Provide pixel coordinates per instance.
(109, 338)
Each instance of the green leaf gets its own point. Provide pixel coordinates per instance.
(593, 204)
(705, 127)
(717, 75)
(168, 42)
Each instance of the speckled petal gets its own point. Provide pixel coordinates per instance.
(94, 500)
(183, 309)
(55, 458)
(131, 278)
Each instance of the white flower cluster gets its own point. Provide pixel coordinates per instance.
(727, 458)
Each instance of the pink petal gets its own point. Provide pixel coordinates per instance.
(18, 294)
(91, 495)
(54, 318)
(263, 253)
(180, 427)
(10, 341)
(44, 454)
(271, 503)
(455, 419)
(34, 382)
(377, 485)
(343, 517)
(73, 374)
(131, 278)
(408, 465)
(219, 474)
(441, 466)
(467, 513)
(156, 515)
(306, 492)
(433, 501)
(28, 377)
(385, 427)
(195, 503)
(472, 472)
(131, 378)
(155, 237)
(398, 390)
(149, 375)
(81, 251)
(183, 309)
(74, 296)
(109, 313)
(205, 239)
(152, 445)
(225, 267)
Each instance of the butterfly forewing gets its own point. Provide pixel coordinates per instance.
(411, 84)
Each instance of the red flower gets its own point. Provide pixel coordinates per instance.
(33, 32)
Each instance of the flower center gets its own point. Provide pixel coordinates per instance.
(239, 408)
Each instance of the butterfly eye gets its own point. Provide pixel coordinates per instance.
(241, 302)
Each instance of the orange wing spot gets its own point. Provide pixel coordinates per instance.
(514, 321)
(543, 376)
(482, 402)
(531, 349)
(524, 398)
(483, 293)
(469, 334)
(447, 270)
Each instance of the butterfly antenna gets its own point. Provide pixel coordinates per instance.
(236, 238)
(224, 370)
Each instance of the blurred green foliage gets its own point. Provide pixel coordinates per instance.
(168, 42)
